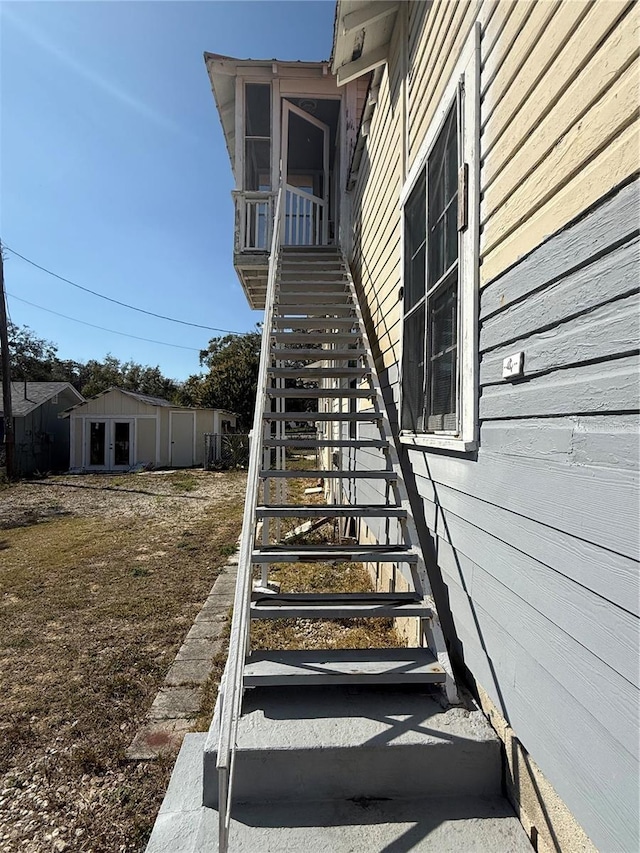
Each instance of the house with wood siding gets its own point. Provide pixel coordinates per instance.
(41, 438)
(493, 237)
(475, 165)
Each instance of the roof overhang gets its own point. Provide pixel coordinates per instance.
(223, 72)
(362, 33)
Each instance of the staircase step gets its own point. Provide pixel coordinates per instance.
(342, 553)
(295, 417)
(342, 666)
(323, 393)
(314, 299)
(324, 324)
(345, 606)
(355, 443)
(291, 311)
(291, 473)
(331, 511)
(322, 280)
(315, 338)
(319, 354)
(311, 265)
(320, 372)
(364, 744)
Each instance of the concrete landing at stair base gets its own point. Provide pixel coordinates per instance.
(322, 743)
(433, 825)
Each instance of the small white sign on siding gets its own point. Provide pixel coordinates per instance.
(513, 366)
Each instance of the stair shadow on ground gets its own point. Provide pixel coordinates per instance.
(443, 824)
(390, 713)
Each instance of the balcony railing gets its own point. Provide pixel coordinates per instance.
(254, 220)
(304, 219)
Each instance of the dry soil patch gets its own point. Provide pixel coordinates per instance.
(100, 580)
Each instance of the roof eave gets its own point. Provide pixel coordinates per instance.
(362, 34)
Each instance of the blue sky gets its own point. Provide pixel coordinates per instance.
(113, 169)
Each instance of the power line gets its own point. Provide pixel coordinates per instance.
(116, 301)
(102, 328)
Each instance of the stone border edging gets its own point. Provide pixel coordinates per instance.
(176, 705)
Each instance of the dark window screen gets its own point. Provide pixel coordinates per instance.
(257, 109)
(97, 443)
(430, 346)
(442, 337)
(443, 201)
(257, 132)
(415, 213)
(413, 371)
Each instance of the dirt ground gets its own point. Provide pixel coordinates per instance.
(100, 579)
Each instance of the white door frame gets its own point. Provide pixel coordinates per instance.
(287, 108)
(109, 438)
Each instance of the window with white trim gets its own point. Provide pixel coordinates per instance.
(440, 272)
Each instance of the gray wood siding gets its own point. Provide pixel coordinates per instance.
(536, 535)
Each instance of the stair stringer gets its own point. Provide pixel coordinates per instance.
(431, 627)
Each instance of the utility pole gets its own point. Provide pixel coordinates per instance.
(9, 438)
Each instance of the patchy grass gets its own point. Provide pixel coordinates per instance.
(318, 578)
(319, 633)
(93, 608)
(183, 481)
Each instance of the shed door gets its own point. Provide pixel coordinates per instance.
(182, 432)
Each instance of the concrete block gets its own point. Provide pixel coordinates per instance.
(205, 629)
(184, 792)
(213, 611)
(199, 649)
(156, 738)
(173, 703)
(359, 825)
(187, 672)
(224, 585)
(338, 743)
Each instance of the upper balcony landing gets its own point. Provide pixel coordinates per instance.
(284, 123)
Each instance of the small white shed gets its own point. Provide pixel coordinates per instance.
(117, 429)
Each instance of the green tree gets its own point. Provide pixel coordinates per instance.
(97, 376)
(33, 359)
(231, 381)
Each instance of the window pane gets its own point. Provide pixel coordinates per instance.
(415, 213)
(121, 444)
(442, 338)
(257, 164)
(442, 247)
(257, 112)
(413, 372)
(97, 443)
(451, 236)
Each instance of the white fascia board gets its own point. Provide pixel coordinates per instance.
(367, 62)
(368, 14)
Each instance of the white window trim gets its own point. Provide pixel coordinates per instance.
(467, 67)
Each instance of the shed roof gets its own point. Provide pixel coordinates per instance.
(144, 398)
(27, 396)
